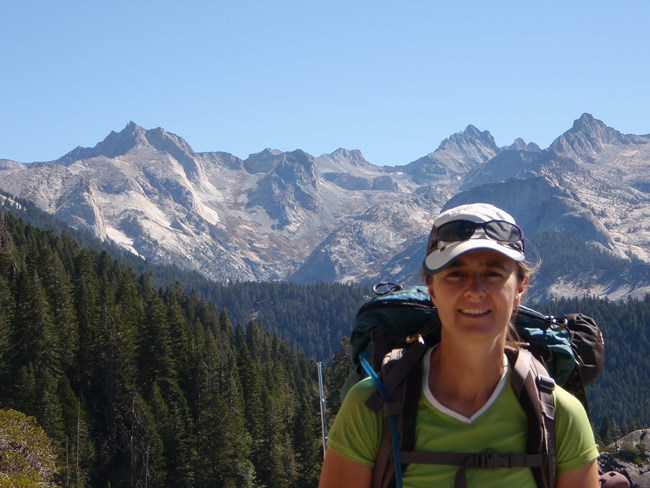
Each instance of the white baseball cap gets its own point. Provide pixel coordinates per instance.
(496, 230)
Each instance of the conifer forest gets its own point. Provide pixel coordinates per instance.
(138, 386)
(143, 382)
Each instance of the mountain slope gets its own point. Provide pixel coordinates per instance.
(336, 217)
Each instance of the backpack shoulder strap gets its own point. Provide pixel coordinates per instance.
(534, 390)
(402, 377)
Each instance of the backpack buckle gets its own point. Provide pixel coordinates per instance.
(545, 383)
(491, 460)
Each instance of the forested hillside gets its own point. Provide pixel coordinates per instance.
(313, 318)
(139, 386)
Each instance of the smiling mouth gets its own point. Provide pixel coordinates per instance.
(474, 312)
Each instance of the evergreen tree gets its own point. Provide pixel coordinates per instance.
(8, 252)
(155, 352)
(86, 296)
(79, 452)
(59, 290)
(36, 354)
(253, 391)
(6, 315)
(336, 378)
(306, 431)
(223, 442)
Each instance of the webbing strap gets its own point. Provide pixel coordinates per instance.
(388, 465)
(534, 389)
(392, 420)
(484, 460)
(399, 370)
(412, 355)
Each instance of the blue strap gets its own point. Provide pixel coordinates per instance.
(392, 419)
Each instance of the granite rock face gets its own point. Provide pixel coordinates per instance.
(279, 215)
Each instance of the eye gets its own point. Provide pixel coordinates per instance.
(454, 274)
(495, 274)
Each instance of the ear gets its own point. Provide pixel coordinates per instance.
(522, 286)
(520, 290)
(431, 293)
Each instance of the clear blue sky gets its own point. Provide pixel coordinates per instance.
(391, 78)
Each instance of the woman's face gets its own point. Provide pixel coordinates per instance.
(475, 295)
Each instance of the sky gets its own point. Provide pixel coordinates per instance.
(392, 79)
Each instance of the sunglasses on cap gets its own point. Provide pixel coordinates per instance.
(462, 230)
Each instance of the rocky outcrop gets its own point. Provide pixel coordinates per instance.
(630, 455)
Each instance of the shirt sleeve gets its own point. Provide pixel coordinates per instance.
(575, 438)
(356, 431)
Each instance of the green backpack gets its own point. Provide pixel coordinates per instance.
(394, 329)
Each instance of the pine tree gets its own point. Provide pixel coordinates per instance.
(336, 378)
(79, 457)
(223, 441)
(59, 290)
(306, 432)
(253, 390)
(156, 361)
(36, 355)
(8, 251)
(6, 315)
(86, 296)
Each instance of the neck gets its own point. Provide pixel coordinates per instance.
(464, 378)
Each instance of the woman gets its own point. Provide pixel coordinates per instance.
(476, 275)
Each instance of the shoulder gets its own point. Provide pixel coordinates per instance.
(568, 405)
(356, 430)
(361, 390)
(575, 439)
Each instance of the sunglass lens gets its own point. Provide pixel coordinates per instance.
(502, 231)
(459, 230)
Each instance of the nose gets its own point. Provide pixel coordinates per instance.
(475, 286)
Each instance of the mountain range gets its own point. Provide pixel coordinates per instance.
(583, 203)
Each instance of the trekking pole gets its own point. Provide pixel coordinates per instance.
(322, 406)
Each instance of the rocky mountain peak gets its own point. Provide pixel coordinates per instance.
(297, 167)
(586, 139)
(261, 218)
(263, 161)
(471, 137)
(171, 144)
(114, 144)
(131, 135)
(119, 143)
(456, 155)
(351, 156)
(520, 145)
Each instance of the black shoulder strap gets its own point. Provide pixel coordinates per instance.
(534, 389)
(402, 377)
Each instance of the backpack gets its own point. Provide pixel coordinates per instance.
(394, 329)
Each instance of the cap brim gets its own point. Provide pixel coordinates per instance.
(439, 260)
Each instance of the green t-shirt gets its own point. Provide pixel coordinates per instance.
(501, 425)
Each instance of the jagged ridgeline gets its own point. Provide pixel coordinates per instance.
(144, 386)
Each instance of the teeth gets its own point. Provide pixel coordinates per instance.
(474, 311)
